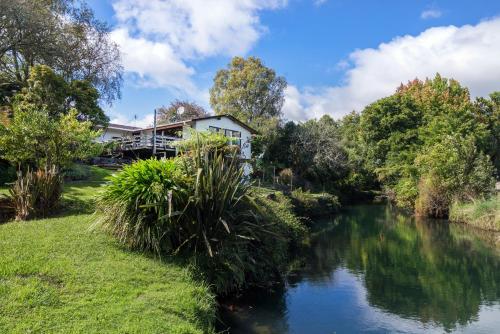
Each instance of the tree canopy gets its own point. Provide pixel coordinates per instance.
(426, 145)
(180, 111)
(46, 90)
(53, 122)
(34, 138)
(312, 149)
(62, 34)
(402, 138)
(249, 91)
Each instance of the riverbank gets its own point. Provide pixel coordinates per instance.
(56, 276)
(483, 214)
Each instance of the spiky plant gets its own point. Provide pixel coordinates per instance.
(36, 193)
(197, 206)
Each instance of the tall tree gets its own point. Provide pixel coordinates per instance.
(488, 113)
(398, 131)
(63, 34)
(249, 91)
(312, 149)
(180, 111)
(46, 90)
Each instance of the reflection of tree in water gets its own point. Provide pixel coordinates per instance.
(414, 269)
(425, 270)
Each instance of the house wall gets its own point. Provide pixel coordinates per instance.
(227, 123)
(108, 134)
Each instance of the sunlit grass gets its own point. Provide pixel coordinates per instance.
(57, 276)
(481, 213)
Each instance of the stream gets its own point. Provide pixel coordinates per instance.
(374, 269)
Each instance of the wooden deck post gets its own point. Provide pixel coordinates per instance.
(154, 134)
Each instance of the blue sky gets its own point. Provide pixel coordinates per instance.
(336, 55)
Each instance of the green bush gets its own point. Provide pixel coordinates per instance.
(277, 208)
(307, 204)
(135, 202)
(36, 194)
(199, 207)
(452, 170)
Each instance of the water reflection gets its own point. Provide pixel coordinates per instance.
(375, 269)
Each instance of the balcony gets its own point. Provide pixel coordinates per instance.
(138, 142)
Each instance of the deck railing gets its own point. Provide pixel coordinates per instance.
(146, 141)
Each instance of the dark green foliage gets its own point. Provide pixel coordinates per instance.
(312, 205)
(180, 111)
(62, 34)
(47, 91)
(7, 172)
(312, 150)
(63, 139)
(135, 202)
(487, 112)
(249, 91)
(452, 170)
(85, 98)
(197, 206)
(36, 193)
(77, 172)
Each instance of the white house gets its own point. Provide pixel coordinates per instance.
(116, 132)
(138, 142)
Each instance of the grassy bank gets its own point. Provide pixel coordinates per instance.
(56, 276)
(484, 214)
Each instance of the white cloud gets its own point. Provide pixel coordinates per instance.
(143, 121)
(430, 14)
(160, 37)
(154, 63)
(469, 54)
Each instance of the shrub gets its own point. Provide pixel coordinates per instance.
(311, 205)
(433, 199)
(135, 201)
(453, 169)
(286, 176)
(6, 209)
(35, 194)
(275, 207)
(197, 206)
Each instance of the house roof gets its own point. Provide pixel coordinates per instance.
(234, 119)
(168, 126)
(180, 124)
(122, 127)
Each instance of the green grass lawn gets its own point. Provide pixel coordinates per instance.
(59, 276)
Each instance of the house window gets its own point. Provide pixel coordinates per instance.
(214, 129)
(234, 136)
